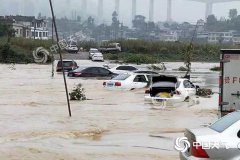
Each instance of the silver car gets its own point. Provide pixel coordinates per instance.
(220, 141)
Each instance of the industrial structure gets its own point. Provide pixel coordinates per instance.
(23, 7)
(209, 5)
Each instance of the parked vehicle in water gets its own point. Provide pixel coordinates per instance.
(91, 72)
(128, 81)
(110, 48)
(163, 88)
(221, 140)
(147, 72)
(98, 56)
(229, 81)
(68, 65)
(122, 69)
(92, 51)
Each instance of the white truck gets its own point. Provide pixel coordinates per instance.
(110, 48)
(229, 81)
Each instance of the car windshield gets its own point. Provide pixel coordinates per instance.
(164, 84)
(121, 77)
(65, 64)
(225, 122)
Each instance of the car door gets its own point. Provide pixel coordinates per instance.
(189, 88)
(91, 72)
(139, 81)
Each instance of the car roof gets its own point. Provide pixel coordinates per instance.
(66, 60)
(94, 49)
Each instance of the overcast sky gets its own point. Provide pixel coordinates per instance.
(182, 10)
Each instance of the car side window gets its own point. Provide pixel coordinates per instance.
(140, 78)
(127, 68)
(104, 71)
(91, 70)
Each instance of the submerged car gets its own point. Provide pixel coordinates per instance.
(123, 69)
(91, 72)
(164, 88)
(128, 81)
(68, 65)
(221, 140)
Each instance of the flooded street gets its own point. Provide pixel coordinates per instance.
(112, 125)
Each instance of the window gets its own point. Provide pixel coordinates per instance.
(17, 31)
(121, 77)
(32, 34)
(140, 78)
(44, 34)
(187, 84)
(127, 68)
(40, 34)
(36, 34)
(225, 122)
(103, 71)
(92, 70)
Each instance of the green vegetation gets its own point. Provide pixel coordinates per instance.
(78, 93)
(19, 50)
(142, 51)
(223, 24)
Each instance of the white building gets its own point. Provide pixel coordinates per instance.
(28, 26)
(223, 37)
(171, 36)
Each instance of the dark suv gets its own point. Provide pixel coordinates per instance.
(68, 65)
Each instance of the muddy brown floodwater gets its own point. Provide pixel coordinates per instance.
(112, 125)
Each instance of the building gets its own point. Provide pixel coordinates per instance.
(220, 37)
(169, 36)
(27, 26)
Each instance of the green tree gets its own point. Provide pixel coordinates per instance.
(233, 14)
(211, 20)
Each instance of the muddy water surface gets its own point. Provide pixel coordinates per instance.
(110, 125)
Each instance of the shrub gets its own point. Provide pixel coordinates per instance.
(78, 93)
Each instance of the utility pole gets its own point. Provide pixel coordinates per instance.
(61, 59)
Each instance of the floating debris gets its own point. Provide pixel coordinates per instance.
(204, 92)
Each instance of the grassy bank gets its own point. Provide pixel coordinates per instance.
(141, 51)
(19, 50)
(134, 51)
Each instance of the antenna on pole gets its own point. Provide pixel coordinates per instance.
(64, 77)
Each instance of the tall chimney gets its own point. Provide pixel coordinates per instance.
(151, 10)
(134, 9)
(100, 10)
(117, 6)
(208, 9)
(169, 10)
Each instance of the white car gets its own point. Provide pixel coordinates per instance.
(219, 141)
(72, 48)
(128, 81)
(123, 69)
(92, 51)
(165, 88)
(98, 56)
